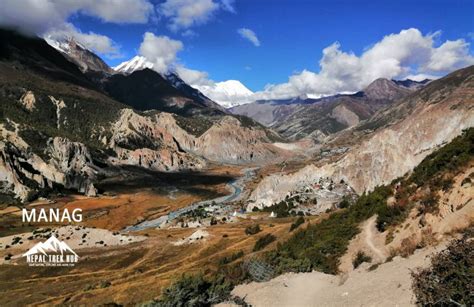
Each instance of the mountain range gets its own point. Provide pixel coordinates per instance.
(323, 182)
(68, 120)
(227, 94)
(387, 145)
(62, 127)
(317, 118)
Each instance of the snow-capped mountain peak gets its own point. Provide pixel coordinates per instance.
(136, 63)
(64, 44)
(233, 87)
(50, 245)
(84, 58)
(228, 93)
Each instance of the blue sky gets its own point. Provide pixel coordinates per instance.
(292, 34)
(290, 47)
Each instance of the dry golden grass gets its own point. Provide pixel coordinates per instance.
(115, 213)
(138, 272)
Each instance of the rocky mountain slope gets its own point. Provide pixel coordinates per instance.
(401, 136)
(86, 60)
(61, 130)
(378, 242)
(148, 90)
(167, 91)
(134, 82)
(227, 94)
(317, 118)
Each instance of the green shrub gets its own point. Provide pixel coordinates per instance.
(344, 203)
(297, 223)
(194, 290)
(430, 202)
(231, 258)
(252, 229)
(319, 246)
(389, 216)
(360, 258)
(448, 158)
(466, 180)
(263, 241)
(282, 209)
(373, 267)
(195, 125)
(449, 280)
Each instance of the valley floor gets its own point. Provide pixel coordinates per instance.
(134, 267)
(134, 272)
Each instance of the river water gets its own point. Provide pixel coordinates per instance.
(235, 186)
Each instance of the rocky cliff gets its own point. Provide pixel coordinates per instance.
(24, 173)
(151, 140)
(226, 140)
(413, 128)
(86, 60)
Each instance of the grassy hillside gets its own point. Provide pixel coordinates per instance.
(320, 246)
(87, 115)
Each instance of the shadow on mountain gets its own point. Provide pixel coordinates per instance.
(133, 178)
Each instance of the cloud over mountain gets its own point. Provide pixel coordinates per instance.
(39, 16)
(160, 50)
(407, 54)
(395, 56)
(93, 41)
(50, 18)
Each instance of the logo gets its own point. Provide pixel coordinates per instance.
(51, 253)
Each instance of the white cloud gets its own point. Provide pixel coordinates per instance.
(40, 16)
(249, 35)
(92, 41)
(195, 78)
(117, 11)
(160, 50)
(30, 16)
(421, 77)
(189, 33)
(49, 18)
(228, 5)
(408, 53)
(186, 13)
(450, 55)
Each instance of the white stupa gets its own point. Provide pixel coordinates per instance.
(273, 214)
